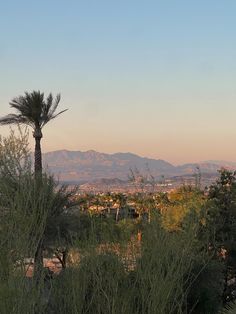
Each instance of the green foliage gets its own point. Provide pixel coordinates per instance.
(21, 227)
(159, 276)
(92, 230)
(205, 291)
(176, 206)
(221, 221)
(26, 206)
(222, 210)
(94, 287)
(172, 270)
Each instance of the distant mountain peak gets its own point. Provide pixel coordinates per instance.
(90, 165)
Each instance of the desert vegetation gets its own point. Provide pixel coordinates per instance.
(155, 253)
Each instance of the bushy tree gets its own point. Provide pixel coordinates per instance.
(222, 224)
(222, 209)
(176, 205)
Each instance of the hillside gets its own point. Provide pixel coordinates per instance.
(91, 165)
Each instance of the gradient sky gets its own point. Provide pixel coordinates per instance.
(156, 78)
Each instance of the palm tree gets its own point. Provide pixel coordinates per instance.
(36, 111)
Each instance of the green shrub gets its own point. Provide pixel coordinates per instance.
(93, 287)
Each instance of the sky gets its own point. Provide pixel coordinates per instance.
(155, 78)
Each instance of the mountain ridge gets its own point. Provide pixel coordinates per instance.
(91, 165)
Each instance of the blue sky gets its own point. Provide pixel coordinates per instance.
(157, 78)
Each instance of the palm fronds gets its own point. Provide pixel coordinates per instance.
(33, 109)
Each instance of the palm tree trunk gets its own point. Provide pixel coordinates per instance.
(38, 157)
(38, 257)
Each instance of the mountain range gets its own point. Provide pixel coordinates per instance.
(77, 166)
